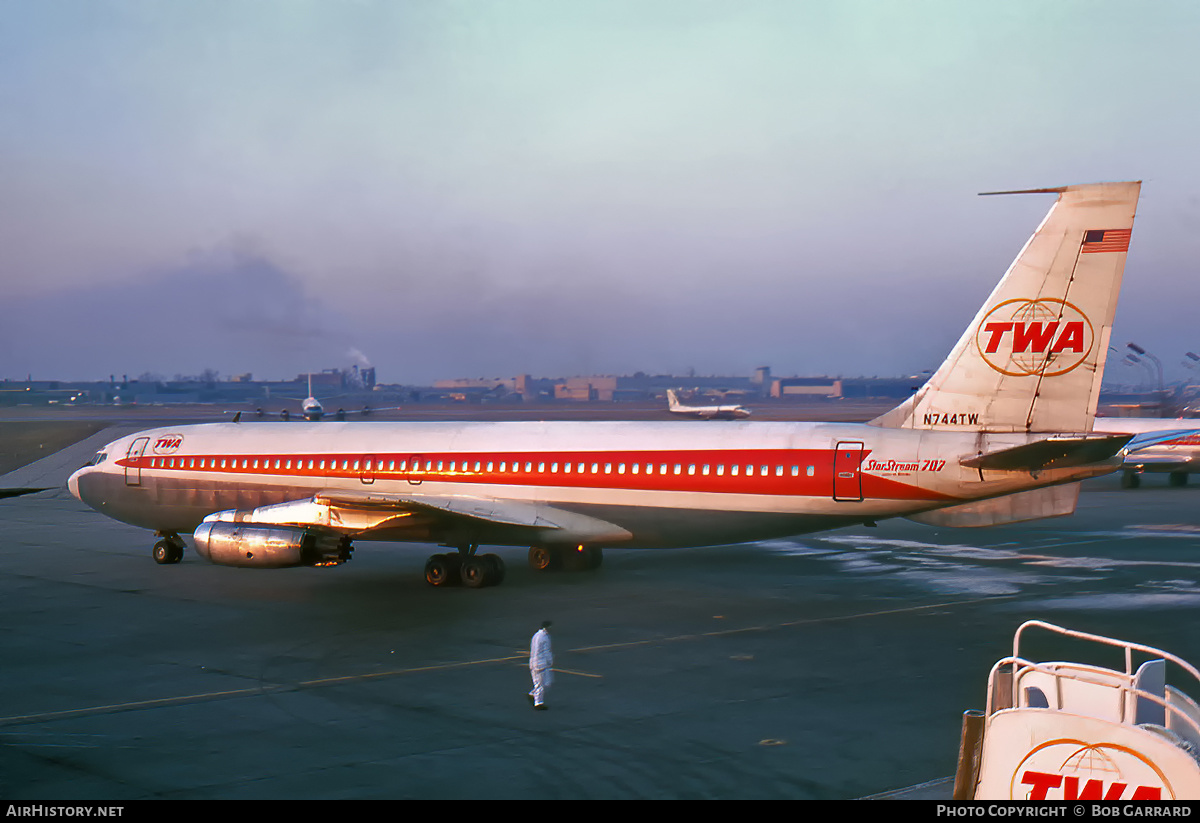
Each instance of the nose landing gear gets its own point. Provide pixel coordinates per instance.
(169, 550)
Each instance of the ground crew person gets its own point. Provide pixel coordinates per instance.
(541, 662)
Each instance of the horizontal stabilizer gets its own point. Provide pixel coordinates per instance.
(1051, 453)
(1052, 501)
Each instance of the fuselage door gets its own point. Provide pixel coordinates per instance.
(133, 468)
(847, 471)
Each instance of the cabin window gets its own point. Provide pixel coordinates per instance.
(704, 470)
(554, 468)
(678, 468)
(489, 468)
(765, 471)
(795, 471)
(779, 471)
(733, 470)
(566, 468)
(391, 465)
(222, 464)
(662, 468)
(608, 468)
(692, 468)
(811, 471)
(595, 468)
(528, 467)
(635, 467)
(477, 465)
(749, 471)
(721, 470)
(541, 468)
(620, 468)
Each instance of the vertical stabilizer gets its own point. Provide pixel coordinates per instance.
(1033, 357)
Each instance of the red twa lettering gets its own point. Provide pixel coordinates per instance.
(1092, 789)
(1031, 334)
(1071, 339)
(1035, 337)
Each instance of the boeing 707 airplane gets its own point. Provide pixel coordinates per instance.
(1000, 433)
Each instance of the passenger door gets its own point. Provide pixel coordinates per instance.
(847, 471)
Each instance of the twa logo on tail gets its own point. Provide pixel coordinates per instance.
(1047, 337)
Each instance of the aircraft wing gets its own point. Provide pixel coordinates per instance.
(417, 515)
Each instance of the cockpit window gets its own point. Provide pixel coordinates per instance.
(98, 458)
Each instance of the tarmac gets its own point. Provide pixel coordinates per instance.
(834, 665)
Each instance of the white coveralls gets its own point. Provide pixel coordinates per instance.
(541, 659)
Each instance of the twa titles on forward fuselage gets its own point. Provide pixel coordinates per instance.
(1000, 433)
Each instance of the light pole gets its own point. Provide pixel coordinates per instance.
(1135, 347)
(1133, 359)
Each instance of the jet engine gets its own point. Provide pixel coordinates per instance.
(263, 546)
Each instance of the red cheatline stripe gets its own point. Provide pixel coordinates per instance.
(766, 471)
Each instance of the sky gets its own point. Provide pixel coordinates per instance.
(567, 187)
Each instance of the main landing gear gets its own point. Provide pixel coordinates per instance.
(169, 550)
(472, 570)
(476, 571)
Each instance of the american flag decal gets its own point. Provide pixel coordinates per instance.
(1099, 241)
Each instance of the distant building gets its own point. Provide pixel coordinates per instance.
(810, 386)
(601, 388)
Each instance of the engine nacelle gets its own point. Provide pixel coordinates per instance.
(264, 546)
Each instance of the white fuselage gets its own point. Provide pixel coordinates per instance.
(666, 484)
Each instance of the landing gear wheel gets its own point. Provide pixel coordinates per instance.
(1177, 478)
(442, 570)
(1130, 480)
(497, 571)
(167, 552)
(475, 572)
(544, 558)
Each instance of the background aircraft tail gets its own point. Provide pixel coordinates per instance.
(1033, 358)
